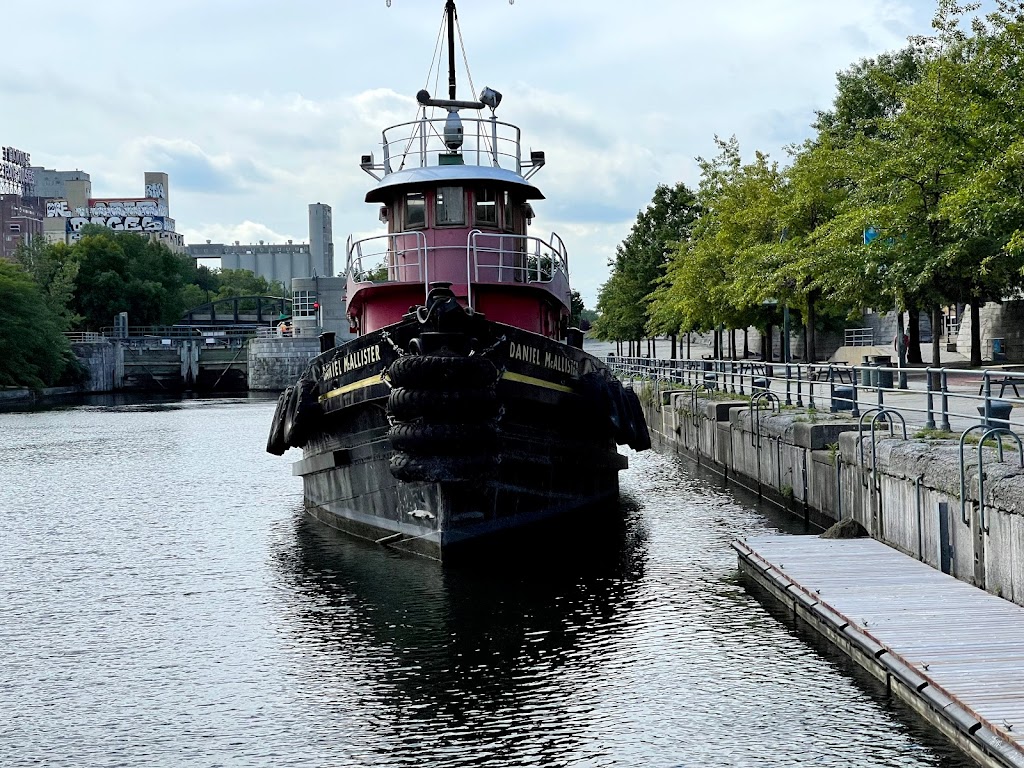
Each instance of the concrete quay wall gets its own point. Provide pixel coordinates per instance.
(905, 493)
(275, 364)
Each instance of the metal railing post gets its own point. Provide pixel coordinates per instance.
(930, 419)
(944, 386)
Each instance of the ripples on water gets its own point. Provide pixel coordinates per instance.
(163, 601)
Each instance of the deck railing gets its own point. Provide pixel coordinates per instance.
(489, 257)
(420, 143)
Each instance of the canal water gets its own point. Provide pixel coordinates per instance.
(163, 601)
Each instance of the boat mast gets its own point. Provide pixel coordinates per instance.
(449, 8)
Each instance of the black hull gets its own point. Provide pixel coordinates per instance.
(514, 435)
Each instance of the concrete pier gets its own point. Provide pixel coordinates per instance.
(951, 651)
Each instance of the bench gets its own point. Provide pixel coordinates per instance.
(841, 372)
(1003, 382)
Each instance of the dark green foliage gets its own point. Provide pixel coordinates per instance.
(33, 349)
(640, 261)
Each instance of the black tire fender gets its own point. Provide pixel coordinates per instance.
(442, 372)
(427, 439)
(276, 444)
(641, 438)
(406, 404)
(620, 413)
(434, 469)
(289, 432)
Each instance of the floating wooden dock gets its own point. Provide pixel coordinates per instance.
(952, 651)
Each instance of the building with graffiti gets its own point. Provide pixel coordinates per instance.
(146, 214)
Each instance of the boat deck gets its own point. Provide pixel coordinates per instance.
(954, 652)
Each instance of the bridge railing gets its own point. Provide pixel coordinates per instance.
(86, 337)
(170, 335)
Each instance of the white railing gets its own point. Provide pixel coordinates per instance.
(420, 143)
(395, 258)
(859, 337)
(499, 258)
(80, 337)
(491, 257)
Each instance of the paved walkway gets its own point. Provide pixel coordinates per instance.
(953, 651)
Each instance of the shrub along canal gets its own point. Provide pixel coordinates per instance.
(164, 601)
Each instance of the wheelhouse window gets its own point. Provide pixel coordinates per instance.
(485, 209)
(509, 218)
(415, 210)
(451, 206)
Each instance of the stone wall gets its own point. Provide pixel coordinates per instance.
(276, 363)
(99, 359)
(906, 493)
(998, 321)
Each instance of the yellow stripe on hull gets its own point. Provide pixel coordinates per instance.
(369, 381)
(508, 375)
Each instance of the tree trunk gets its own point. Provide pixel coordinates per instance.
(936, 343)
(746, 343)
(914, 353)
(766, 344)
(687, 345)
(672, 353)
(714, 343)
(975, 334)
(811, 345)
(732, 343)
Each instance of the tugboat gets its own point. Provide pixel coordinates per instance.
(464, 410)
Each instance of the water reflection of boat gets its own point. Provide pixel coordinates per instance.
(465, 408)
(453, 653)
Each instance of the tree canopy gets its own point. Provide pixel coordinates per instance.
(923, 147)
(55, 288)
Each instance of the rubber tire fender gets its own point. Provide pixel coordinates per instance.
(427, 439)
(641, 439)
(307, 409)
(620, 412)
(434, 469)
(276, 443)
(442, 372)
(290, 433)
(406, 404)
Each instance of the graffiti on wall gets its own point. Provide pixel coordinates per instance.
(140, 207)
(56, 209)
(107, 208)
(155, 191)
(123, 223)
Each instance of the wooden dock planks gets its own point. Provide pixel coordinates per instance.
(953, 651)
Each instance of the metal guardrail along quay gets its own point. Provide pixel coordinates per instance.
(953, 652)
(947, 399)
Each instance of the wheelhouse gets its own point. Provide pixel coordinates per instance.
(456, 201)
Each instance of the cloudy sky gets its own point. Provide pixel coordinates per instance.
(258, 107)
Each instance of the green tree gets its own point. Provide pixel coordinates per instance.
(33, 349)
(124, 272)
(640, 262)
(242, 282)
